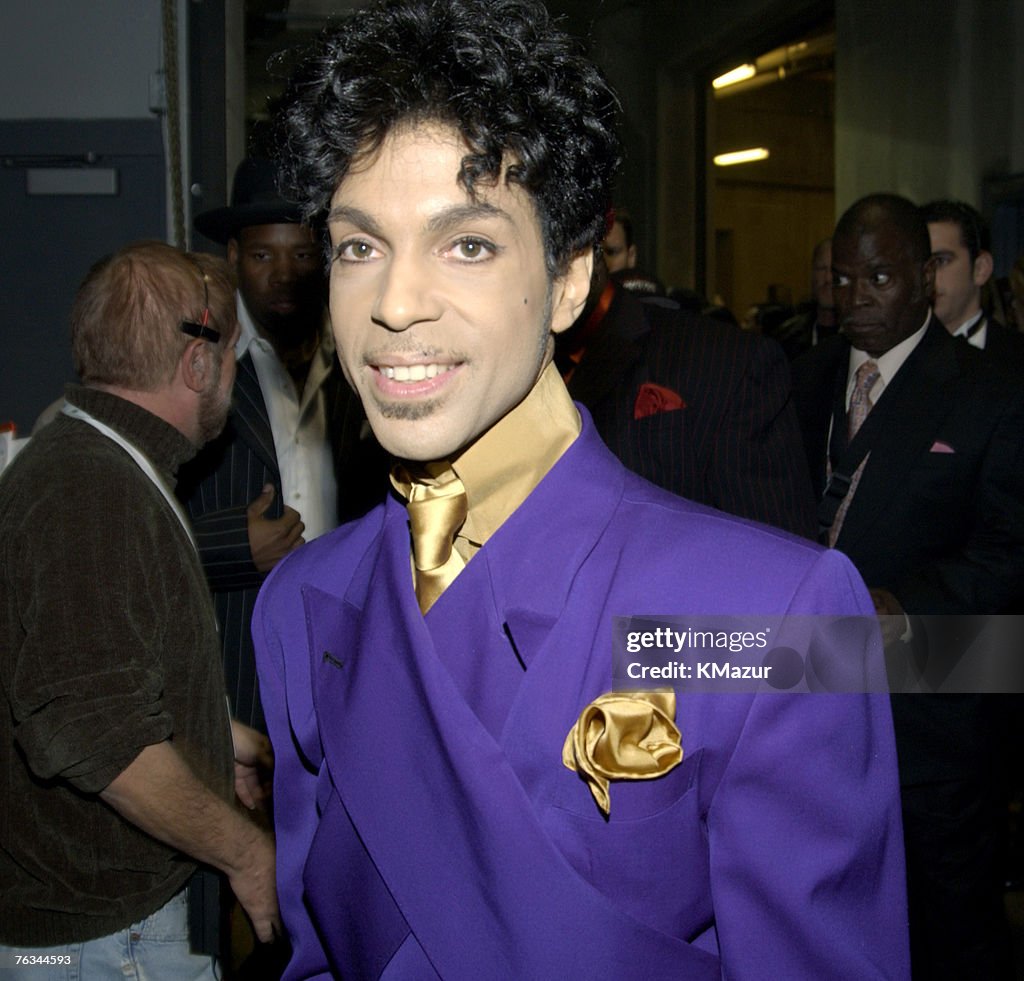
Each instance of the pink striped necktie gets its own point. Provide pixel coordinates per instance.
(860, 406)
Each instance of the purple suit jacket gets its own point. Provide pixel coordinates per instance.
(428, 828)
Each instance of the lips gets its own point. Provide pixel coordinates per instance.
(398, 379)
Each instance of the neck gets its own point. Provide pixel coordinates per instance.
(161, 402)
(295, 355)
(965, 318)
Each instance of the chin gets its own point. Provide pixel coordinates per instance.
(416, 444)
(405, 441)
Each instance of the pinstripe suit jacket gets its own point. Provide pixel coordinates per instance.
(217, 487)
(735, 445)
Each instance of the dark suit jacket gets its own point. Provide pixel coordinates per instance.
(938, 517)
(734, 446)
(229, 472)
(1006, 346)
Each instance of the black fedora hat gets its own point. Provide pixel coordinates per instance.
(255, 200)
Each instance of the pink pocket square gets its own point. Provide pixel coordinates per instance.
(939, 447)
(652, 399)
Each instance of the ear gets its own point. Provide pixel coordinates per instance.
(196, 365)
(631, 257)
(570, 291)
(983, 266)
(233, 253)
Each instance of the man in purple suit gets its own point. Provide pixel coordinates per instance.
(458, 792)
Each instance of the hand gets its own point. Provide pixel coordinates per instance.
(254, 764)
(891, 617)
(271, 539)
(254, 884)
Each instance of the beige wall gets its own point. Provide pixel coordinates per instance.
(773, 232)
(929, 96)
(767, 216)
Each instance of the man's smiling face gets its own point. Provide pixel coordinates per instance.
(442, 305)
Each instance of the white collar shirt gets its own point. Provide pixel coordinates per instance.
(979, 335)
(888, 363)
(301, 440)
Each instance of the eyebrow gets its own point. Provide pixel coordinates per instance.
(354, 216)
(452, 217)
(445, 220)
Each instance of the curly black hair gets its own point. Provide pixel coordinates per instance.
(516, 88)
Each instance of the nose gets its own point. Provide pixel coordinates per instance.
(283, 270)
(862, 295)
(407, 294)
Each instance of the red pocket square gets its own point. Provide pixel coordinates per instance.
(652, 399)
(939, 447)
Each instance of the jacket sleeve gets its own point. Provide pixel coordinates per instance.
(804, 831)
(286, 692)
(86, 689)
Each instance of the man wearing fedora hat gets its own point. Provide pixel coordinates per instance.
(283, 471)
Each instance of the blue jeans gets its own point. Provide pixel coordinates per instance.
(154, 949)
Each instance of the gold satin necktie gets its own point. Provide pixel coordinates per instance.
(437, 511)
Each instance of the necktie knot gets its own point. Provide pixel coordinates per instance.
(437, 508)
(436, 513)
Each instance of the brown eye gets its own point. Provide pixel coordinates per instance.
(472, 249)
(354, 250)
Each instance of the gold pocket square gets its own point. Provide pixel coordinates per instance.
(624, 736)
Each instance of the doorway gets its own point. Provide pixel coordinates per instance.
(775, 206)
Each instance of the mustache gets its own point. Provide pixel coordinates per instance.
(414, 351)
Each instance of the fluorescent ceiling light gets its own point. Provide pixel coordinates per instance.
(741, 156)
(736, 75)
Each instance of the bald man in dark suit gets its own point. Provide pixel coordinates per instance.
(934, 522)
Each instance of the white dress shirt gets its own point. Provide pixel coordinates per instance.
(301, 440)
(888, 363)
(980, 333)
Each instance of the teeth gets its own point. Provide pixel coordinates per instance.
(414, 372)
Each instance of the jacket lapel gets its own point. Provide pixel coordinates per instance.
(436, 802)
(924, 399)
(250, 416)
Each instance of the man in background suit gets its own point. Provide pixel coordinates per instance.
(619, 245)
(961, 251)
(817, 320)
(291, 461)
(695, 406)
(934, 522)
